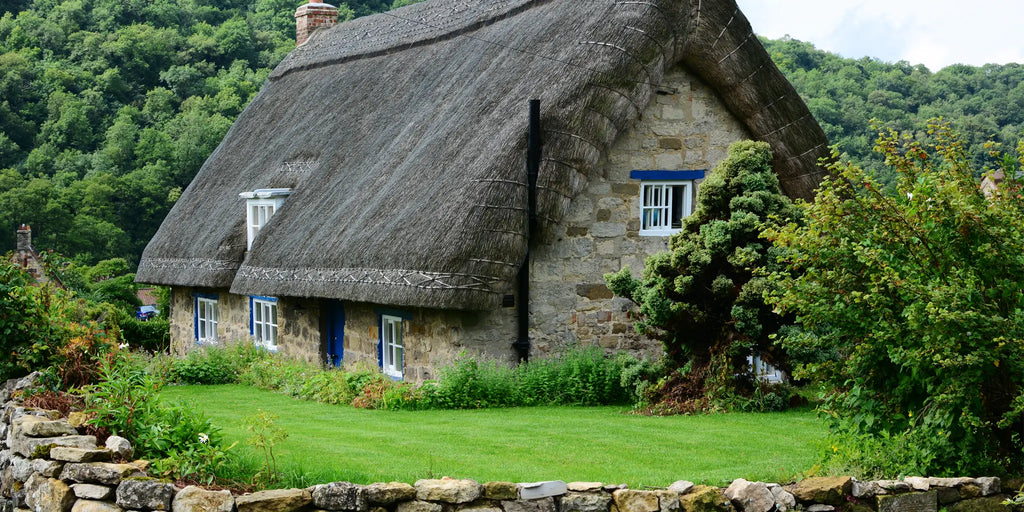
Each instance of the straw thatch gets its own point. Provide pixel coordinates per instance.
(403, 136)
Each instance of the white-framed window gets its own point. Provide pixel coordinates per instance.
(206, 319)
(260, 206)
(392, 348)
(263, 321)
(666, 197)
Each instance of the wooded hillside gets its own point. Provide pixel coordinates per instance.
(109, 107)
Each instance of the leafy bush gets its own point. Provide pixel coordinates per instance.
(152, 335)
(469, 383)
(702, 298)
(211, 365)
(918, 291)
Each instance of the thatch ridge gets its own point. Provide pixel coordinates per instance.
(406, 150)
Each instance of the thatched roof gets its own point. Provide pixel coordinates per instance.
(403, 138)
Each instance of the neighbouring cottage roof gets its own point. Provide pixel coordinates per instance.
(403, 135)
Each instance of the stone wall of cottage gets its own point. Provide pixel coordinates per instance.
(686, 127)
(298, 322)
(47, 465)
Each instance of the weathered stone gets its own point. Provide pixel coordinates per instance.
(893, 486)
(705, 499)
(989, 485)
(947, 494)
(48, 494)
(584, 486)
(828, 490)
(681, 486)
(500, 490)
(145, 494)
(71, 454)
(950, 482)
(26, 446)
(670, 143)
(918, 483)
(340, 496)
(628, 500)
(750, 496)
(448, 490)
(5, 458)
(47, 468)
(862, 490)
(989, 504)
(480, 509)
(92, 491)
(668, 501)
(98, 472)
(95, 506)
(594, 291)
(586, 502)
(413, 506)
(120, 447)
(6, 482)
(77, 418)
(909, 502)
(35, 426)
(277, 500)
(196, 499)
(535, 490)
(784, 500)
(820, 507)
(386, 494)
(21, 468)
(537, 505)
(970, 491)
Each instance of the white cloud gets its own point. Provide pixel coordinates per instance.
(936, 33)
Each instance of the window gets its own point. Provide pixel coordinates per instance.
(263, 322)
(260, 206)
(665, 199)
(391, 346)
(206, 319)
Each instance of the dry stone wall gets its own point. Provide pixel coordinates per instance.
(47, 466)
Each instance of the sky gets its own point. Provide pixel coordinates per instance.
(936, 33)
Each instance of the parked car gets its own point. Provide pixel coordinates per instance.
(146, 312)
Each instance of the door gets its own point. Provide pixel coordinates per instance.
(335, 310)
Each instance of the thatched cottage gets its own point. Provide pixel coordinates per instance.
(373, 202)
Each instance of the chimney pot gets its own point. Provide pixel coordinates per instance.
(312, 16)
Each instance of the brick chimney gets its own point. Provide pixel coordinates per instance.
(24, 239)
(312, 16)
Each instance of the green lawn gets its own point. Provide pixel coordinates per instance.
(331, 443)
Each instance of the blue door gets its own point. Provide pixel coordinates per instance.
(335, 311)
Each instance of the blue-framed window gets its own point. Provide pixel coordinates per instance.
(205, 317)
(391, 343)
(263, 321)
(666, 197)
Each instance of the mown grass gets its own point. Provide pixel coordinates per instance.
(333, 443)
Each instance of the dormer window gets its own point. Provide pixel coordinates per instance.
(260, 205)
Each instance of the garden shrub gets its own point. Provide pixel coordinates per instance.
(918, 291)
(703, 297)
(471, 383)
(209, 365)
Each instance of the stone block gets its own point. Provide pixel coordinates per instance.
(670, 143)
(26, 446)
(500, 490)
(893, 486)
(829, 490)
(98, 472)
(586, 502)
(909, 502)
(196, 499)
(48, 494)
(629, 500)
(705, 499)
(668, 501)
(918, 483)
(584, 486)
(862, 490)
(71, 454)
(448, 490)
(414, 506)
(36, 426)
(92, 491)
(750, 496)
(681, 486)
(95, 506)
(784, 500)
(821, 507)
(947, 494)
(594, 291)
(47, 468)
(388, 493)
(607, 229)
(276, 500)
(989, 485)
(989, 504)
(537, 505)
(340, 496)
(120, 447)
(145, 493)
(535, 490)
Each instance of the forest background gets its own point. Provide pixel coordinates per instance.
(108, 108)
